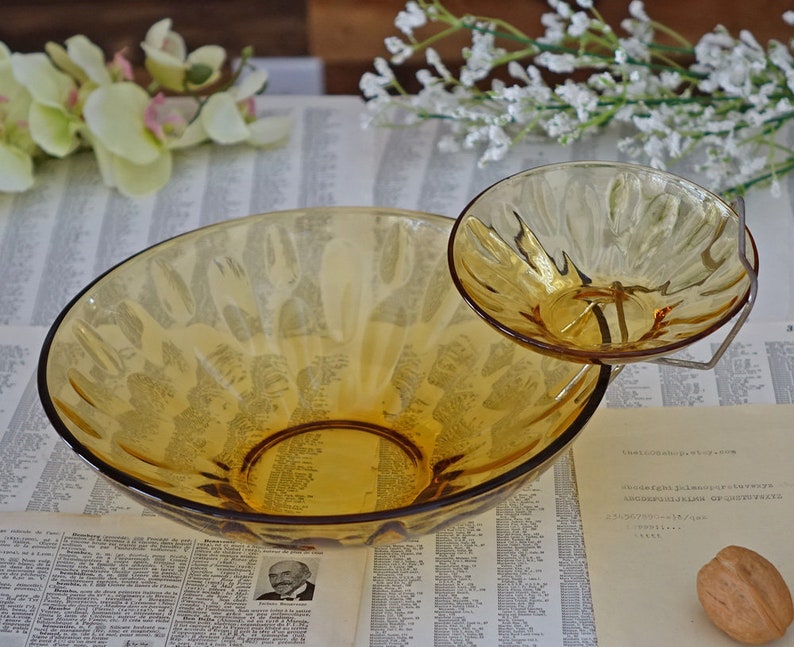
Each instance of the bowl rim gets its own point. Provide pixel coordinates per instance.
(157, 497)
(614, 356)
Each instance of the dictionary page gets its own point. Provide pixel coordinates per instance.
(117, 580)
(661, 492)
(514, 575)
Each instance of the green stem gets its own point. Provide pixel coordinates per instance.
(763, 178)
(686, 46)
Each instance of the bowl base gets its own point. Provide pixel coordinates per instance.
(603, 316)
(333, 467)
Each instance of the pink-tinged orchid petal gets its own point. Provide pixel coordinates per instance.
(193, 135)
(164, 119)
(150, 116)
(50, 104)
(222, 119)
(123, 66)
(114, 115)
(247, 108)
(46, 84)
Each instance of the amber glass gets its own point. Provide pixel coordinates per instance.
(306, 378)
(601, 261)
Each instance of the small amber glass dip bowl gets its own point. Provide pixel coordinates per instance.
(303, 379)
(602, 262)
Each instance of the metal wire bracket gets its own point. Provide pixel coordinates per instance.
(738, 206)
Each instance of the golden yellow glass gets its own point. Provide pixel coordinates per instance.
(602, 262)
(306, 378)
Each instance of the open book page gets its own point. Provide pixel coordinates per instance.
(758, 367)
(119, 580)
(661, 492)
(514, 575)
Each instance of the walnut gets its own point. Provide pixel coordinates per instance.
(744, 595)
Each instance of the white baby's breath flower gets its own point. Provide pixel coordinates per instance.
(558, 63)
(498, 145)
(637, 11)
(636, 49)
(780, 56)
(670, 79)
(412, 17)
(579, 97)
(399, 49)
(602, 82)
(518, 71)
(562, 8)
(372, 86)
(480, 57)
(560, 126)
(672, 108)
(751, 166)
(555, 28)
(383, 69)
(427, 78)
(434, 60)
(580, 23)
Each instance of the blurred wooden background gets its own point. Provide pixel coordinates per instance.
(345, 34)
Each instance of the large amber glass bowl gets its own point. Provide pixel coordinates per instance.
(602, 262)
(306, 378)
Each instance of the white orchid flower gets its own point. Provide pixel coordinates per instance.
(229, 117)
(72, 97)
(85, 61)
(16, 145)
(172, 67)
(54, 114)
(132, 154)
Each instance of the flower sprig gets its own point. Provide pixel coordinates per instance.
(70, 98)
(722, 102)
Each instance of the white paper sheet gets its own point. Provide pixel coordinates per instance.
(661, 492)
